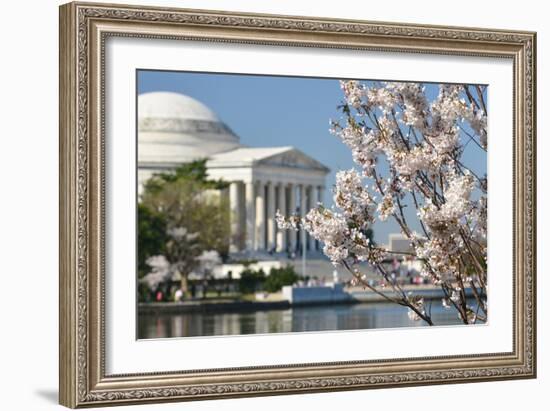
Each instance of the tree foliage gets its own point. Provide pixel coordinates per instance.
(182, 199)
(252, 280)
(279, 277)
(152, 236)
(187, 198)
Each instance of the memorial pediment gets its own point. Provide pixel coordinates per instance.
(292, 158)
(288, 157)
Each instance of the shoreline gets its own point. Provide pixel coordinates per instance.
(228, 306)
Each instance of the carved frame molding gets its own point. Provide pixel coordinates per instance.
(84, 27)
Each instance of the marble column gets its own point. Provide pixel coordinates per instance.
(235, 209)
(313, 198)
(303, 199)
(281, 206)
(250, 205)
(291, 210)
(321, 199)
(303, 211)
(260, 216)
(271, 229)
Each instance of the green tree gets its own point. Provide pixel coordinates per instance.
(251, 281)
(193, 171)
(369, 233)
(182, 250)
(279, 277)
(183, 199)
(152, 236)
(186, 203)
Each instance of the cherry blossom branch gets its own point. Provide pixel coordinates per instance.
(481, 99)
(403, 301)
(422, 142)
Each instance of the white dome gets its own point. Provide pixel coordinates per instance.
(174, 128)
(163, 104)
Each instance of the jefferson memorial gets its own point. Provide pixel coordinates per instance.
(174, 129)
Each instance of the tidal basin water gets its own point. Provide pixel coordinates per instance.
(296, 319)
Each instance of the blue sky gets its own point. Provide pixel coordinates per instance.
(270, 111)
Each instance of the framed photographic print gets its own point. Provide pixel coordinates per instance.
(260, 204)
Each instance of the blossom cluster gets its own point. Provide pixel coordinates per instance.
(343, 229)
(182, 256)
(160, 271)
(409, 148)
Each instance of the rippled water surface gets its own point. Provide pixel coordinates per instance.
(311, 318)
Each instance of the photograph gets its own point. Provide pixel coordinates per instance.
(259, 203)
(283, 204)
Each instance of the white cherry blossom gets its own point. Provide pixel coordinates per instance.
(409, 151)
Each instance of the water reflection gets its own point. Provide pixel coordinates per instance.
(312, 318)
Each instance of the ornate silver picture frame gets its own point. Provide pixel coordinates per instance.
(85, 28)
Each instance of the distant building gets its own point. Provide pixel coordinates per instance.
(174, 129)
(399, 243)
(408, 264)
